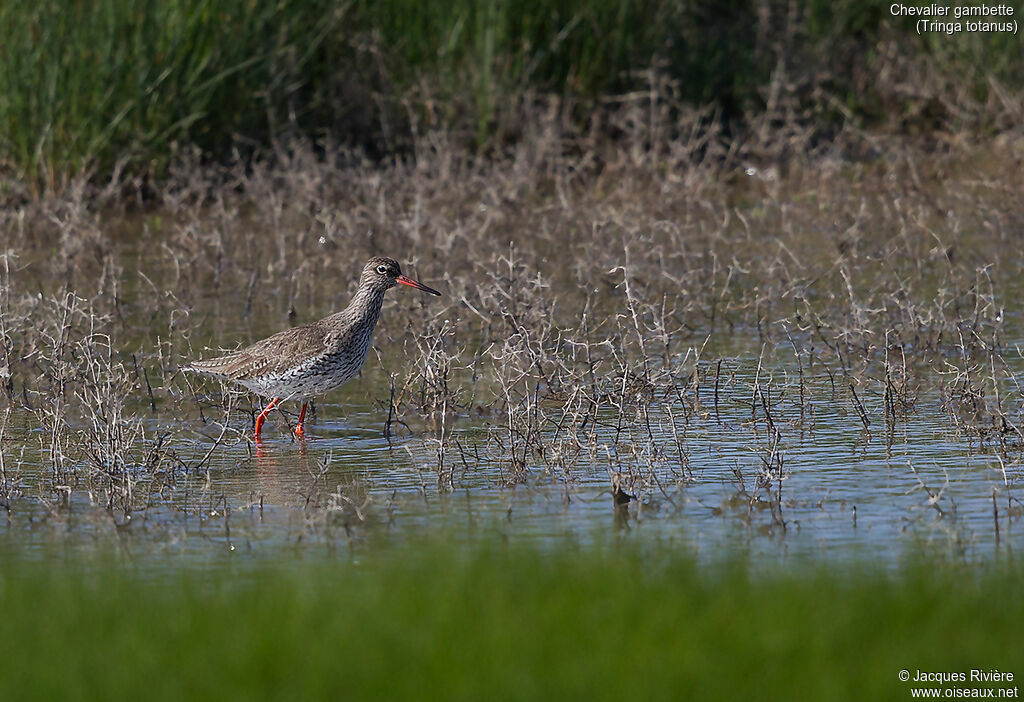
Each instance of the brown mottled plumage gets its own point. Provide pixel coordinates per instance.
(313, 359)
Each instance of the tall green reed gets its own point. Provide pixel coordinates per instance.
(116, 83)
(116, 86)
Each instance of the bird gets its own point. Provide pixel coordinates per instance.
(310, 360)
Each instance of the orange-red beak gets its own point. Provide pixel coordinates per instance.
(405, 280)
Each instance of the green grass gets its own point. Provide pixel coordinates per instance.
(496, 624)
(88, 85)
(93, 87)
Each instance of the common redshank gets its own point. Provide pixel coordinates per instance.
(303, 362)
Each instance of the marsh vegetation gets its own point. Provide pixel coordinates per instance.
(729, 348)
(802, 353)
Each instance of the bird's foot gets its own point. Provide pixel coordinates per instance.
(263, 417)
(302, 418)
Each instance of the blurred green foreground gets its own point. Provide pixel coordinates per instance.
(494, 623)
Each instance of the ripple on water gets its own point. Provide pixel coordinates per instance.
(846, 494)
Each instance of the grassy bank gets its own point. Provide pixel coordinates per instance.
(116, 87)
(491, 624)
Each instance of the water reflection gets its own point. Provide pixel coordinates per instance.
(817, 484)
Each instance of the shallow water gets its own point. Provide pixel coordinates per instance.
(848, 494)
(820, 482)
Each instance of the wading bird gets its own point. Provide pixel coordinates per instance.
(303, 362)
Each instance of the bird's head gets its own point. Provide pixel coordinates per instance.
(386, 273)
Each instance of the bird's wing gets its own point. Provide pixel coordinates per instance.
(275, 354)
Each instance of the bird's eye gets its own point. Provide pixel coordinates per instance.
(383, 270)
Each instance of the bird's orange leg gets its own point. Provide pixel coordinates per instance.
(302, 416)
(263, 416)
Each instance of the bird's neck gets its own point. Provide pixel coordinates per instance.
(366, 304)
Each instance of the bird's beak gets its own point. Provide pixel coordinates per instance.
(405, 280)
